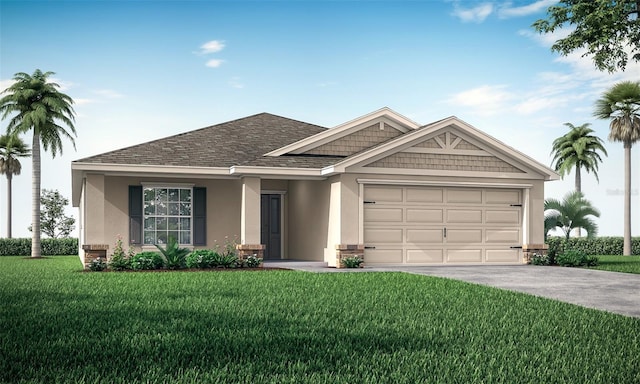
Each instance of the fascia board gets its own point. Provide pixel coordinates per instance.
(144, 168)
(335, 131)
(275, 171)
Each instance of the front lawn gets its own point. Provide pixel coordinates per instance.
(61, 325)
(628, 264)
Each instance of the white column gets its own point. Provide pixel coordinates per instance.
(250, 213)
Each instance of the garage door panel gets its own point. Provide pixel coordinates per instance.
(464, 196)
(425, 195)
(383, 235)
(425, 236)
(464, 255)
(383, 215)
(383, 255)
(502, 235)
(425, 256)
(455, 216)
(383, 194)
(502, 217)
(502, 196)
(442, 225)
(503, 255)
(416, 215)
(464, 236)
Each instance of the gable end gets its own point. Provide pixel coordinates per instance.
(357, 141)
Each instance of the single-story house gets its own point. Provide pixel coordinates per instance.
(382, 186)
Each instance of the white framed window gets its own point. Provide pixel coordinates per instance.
(167, 212)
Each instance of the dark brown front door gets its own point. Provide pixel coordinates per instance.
(270, 235)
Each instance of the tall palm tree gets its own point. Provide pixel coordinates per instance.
(621, 104)
(577, 149)
(38, 106)
(573, 211)
(11, 148)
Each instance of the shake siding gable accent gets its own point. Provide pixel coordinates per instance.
(199, 216)
(135, 214)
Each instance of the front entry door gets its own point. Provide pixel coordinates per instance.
(270, 228)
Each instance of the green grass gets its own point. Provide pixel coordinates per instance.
(627, 264)
(64, 326)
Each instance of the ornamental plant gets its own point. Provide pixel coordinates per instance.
(174, 256)
(352, 262)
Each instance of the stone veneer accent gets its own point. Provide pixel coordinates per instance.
(445, 162)
(93, 252)
(529, 249)
(246, 250)
(356, 142)
(348, 250)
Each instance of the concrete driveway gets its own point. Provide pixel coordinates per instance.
(608, 291)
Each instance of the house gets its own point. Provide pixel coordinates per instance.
(381, 186)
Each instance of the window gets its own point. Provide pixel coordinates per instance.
(167, 213)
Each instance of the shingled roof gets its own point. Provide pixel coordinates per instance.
(238, 142)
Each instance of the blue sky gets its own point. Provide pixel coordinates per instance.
(141, 70)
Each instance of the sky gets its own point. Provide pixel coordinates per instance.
(143, 70)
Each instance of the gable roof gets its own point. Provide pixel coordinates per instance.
(223, 145)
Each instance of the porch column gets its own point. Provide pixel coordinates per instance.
(250, 219)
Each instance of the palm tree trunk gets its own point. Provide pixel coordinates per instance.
(9, 179)
(578, 189)
(627, 199)
(35, 195)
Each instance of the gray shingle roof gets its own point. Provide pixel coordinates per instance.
(238, 142)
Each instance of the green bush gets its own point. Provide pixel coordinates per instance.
(98, 265)
(201, 258)
(352, 262)
(119, 260)
(253, 262)
(540, 259)
(174, 256)
(591, 246)
(576, 258)
(147, 260)
(48, 246)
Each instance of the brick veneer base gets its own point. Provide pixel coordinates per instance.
(93, 252)
(246, 250)
(348, 250)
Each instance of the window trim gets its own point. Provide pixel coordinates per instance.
(156, 185)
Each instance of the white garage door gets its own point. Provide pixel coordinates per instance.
(438, 225)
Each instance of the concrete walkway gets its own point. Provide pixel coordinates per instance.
(608, 291)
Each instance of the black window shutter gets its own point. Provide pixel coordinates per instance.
(135, 214)
(199, 216)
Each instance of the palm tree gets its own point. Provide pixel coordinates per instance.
(621, 104)
(571, 212)
(38, 106)
(577, 149)
(11, 147)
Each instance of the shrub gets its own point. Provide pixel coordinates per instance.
(146, 261)
(539, 259)
(591, 246)
(174, 256)
(97, 265)
(119, 260)
(201, 258)
(227, 261)
(253, 261)
(48, 247)
(576, 258)
(352, 262)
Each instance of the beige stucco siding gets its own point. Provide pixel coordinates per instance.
(307, 219)
(106, 208)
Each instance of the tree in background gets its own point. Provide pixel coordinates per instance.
(577, 149)
(55, 223)
(11, 148)
(621, 104)
(605, 28)
(37, 106)
(571, 212)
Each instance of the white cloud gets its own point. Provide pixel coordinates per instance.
(81, 101)
(476, 14)
(6, 83)
(212, 46)
(485, 100)
(108, 93)
(236, 82)
(214, 63)
(507, 10)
